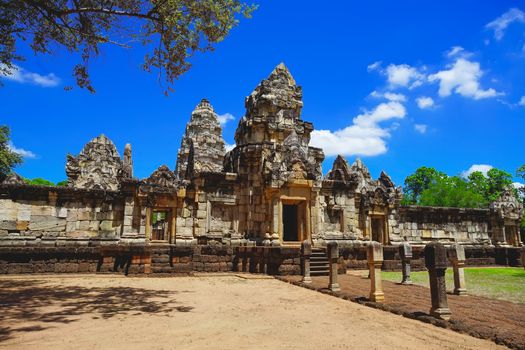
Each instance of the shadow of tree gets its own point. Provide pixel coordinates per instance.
(40, 302)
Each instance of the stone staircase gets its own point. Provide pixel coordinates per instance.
(319, 265)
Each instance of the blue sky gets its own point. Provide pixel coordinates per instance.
(399, 84)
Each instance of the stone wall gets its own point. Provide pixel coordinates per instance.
(424, 224)
(53, 216)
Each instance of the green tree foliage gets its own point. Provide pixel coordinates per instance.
(452, 192)
(8, 158)
(171, 30)
(62, 183)
(39, 182)
(429, 187)
(416, 183)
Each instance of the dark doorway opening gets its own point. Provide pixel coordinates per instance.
(378, 225)
(290, 232)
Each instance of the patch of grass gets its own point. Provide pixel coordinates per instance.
(504, 283)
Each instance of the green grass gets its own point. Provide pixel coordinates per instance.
(504, 283)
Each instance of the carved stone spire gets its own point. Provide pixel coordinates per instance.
(202, 148)
(275, 105)
(340, 171)
(96, 167)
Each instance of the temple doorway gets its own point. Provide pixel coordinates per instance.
(290, 220)
(378, 229)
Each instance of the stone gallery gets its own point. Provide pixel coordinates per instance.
(262, 198)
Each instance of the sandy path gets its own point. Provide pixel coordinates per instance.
(226, 312)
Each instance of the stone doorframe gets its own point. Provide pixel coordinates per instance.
(385, 239)
(164, 204)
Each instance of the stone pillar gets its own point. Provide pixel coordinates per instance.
(333, 256)
(405, 253)
(456, 255)
(436, 263)
(523, 256)
(374, 255)
(306, 252)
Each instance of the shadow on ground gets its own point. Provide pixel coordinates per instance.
(41, 304)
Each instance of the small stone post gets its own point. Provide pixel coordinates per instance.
(306, 252)
(374, 255)
(333, 256)
(436, 263)
(456, 255)
(405, 253)
(523, 256)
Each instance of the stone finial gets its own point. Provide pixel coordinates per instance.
(306, 252)
(127, 163)
(202, 147)
(96, 167)
(456, 255)
(436, 263)
(333, 257)
(374, 257)
(522, 254)
(405, 253)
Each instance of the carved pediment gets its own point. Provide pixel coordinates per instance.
(507, 206)
(163, 177)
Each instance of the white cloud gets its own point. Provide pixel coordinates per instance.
(522, 101)
(455, 50)
(229, 147)
(23, 76)
(421, 128)
(518, 185)
(500, 24)
(462, 78)
(224, 118)
(391, 96)
(374, 66)
(404, 75)
(424, 102)
(483, 168)
(364, 137)
(22, 152)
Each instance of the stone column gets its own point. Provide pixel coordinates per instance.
(333, 256)
(456, 255)
(405, 253)
(306, 252)
(436, 263)
(374, 255)
(523, 256)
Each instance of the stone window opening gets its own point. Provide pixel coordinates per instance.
(160, 225)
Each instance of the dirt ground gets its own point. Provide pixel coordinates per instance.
(217, 312)
(486, 318)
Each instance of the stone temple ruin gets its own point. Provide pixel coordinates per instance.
(261, 199)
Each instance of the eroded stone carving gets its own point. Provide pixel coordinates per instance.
(98, 166)
(202, 147)
(507, 206)
(14, 179)
(163, 177)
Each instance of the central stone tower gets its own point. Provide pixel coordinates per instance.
(280, 174)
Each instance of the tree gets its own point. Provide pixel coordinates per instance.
(416, 183)
(452, 192)
(39, 182)
(497, 181)
(8, 158)
(171, 30)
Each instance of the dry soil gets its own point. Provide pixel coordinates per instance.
(205, 312)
